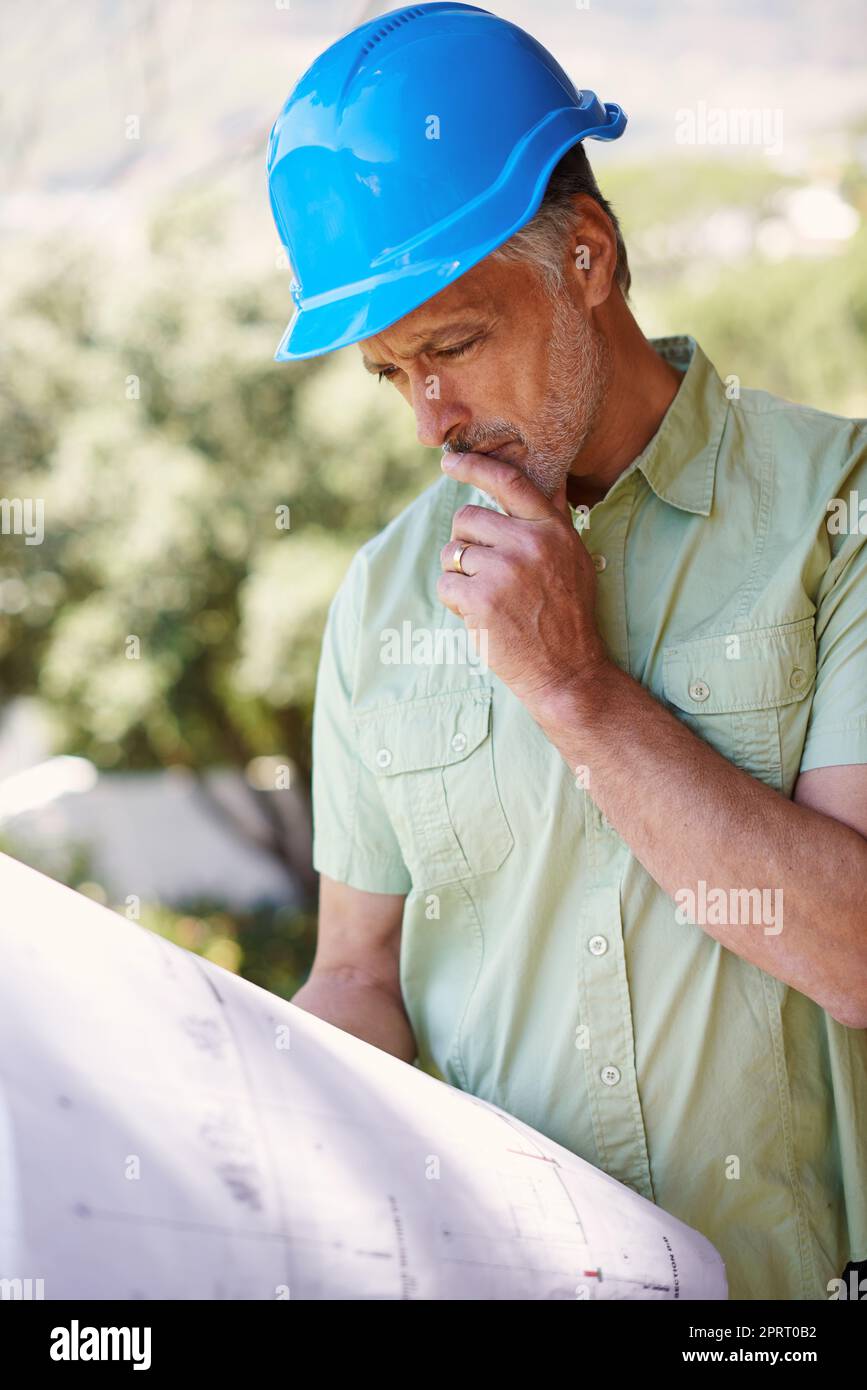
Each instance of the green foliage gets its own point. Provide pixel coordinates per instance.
(661, 192)
(141, 402)
(272, 947)
(797, 327)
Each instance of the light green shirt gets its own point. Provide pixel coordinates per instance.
(542, 968)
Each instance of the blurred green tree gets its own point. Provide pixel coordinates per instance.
(201, 502)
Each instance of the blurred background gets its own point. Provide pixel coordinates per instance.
(159, 642)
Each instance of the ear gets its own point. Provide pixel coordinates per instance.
(593, 251)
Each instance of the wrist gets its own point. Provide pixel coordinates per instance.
(579, 698)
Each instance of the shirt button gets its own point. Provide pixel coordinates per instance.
(797, 678)
(597, 945)
(699, 690)
(599, 562)
(383, 756)
(459, 742)
(610, 1075)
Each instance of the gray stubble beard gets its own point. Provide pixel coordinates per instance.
(579, 368)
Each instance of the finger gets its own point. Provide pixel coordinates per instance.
(483, 526)
(471, 556)
(453, 591)
(503, 481)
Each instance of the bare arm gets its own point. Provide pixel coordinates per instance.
(355, 980)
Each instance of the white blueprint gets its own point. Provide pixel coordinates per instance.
(169, 1130)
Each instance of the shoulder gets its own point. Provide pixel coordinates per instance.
(829, 445)
(797, 458)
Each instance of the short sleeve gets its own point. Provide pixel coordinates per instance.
(837, 729)
(353, 840)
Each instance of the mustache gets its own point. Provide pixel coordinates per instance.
(479, 441)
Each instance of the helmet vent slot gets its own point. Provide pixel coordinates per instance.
(389, 28)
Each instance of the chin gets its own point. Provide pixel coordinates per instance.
(542, 477)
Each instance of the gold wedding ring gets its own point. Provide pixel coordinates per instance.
(456, 559)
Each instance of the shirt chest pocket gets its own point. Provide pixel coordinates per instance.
(434, 760)
(745, 693)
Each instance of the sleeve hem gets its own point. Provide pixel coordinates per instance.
(835, 747)
(381, 876)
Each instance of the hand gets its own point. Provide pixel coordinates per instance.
(529, 585)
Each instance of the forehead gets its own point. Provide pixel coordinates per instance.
(463, 305)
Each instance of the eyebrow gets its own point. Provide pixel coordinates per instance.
(422, 343)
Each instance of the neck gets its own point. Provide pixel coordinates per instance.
(640, 389)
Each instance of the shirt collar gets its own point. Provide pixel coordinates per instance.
(679, 462)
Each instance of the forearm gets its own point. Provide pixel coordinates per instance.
(359, 1006)
(689, 815)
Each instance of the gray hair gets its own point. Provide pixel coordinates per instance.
(542, 239)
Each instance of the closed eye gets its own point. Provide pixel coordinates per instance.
(451, 352)
(460, 349)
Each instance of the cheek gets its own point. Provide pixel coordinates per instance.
(518, 381)
(498, 389)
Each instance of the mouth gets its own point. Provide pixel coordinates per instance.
(509, 451)
(504, 452)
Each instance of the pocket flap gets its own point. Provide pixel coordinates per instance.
(433, 731)
(756, 669)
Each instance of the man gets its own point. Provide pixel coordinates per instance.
(606, 872)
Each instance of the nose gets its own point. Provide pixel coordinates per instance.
(436, 414)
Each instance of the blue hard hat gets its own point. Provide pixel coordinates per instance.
(409, 150)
